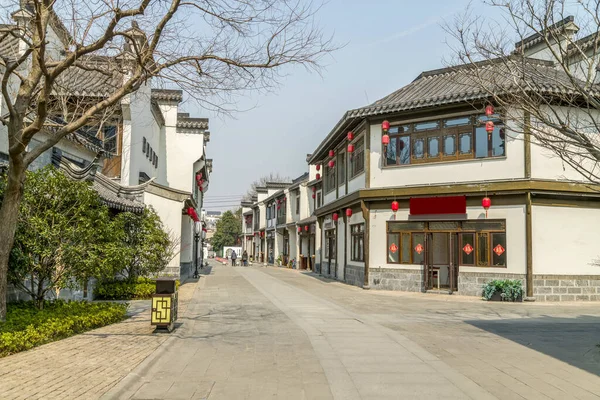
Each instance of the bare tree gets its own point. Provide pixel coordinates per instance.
(262, 182)
(547, 83)
(66, 64)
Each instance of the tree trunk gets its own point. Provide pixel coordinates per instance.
(9, 214)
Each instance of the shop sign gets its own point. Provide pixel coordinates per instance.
(499, 250)
(419, 248)
(468, 249)
(393, 248)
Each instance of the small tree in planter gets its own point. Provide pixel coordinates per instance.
(503, 290)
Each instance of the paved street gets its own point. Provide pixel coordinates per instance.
(256, 333)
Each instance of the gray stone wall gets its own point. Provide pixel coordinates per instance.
(566, 287)
(471, 283)
(185, 271)
(407, 280)
(355, 275)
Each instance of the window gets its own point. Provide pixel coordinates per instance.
(358, 233)
(330, 244)
(329, 179)
(110, 139)
(444, 140)
(298, 203)
(144, 145)
(341, 168)
(357, 160)
(479, 243)
(319, 199)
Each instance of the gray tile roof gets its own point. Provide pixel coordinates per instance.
(167, 94)
(91, 78)
(456, 85)
(114, 195)
(9, 44)
(192, 123)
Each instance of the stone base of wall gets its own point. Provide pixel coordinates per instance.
(471, 283)
(566, 287)
(185, 271)
(355, 275)
(407, 280)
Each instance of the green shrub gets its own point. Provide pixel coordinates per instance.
(510, 290)
(142, 288)
(27, 327)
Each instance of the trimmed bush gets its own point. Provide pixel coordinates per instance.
(142, 288)
(510, 290)
(27, 327)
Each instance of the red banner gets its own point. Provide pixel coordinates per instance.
(438, 205)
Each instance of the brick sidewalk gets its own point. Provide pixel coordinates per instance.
(83, 366)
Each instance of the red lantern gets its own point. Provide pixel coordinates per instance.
(385, 126)
(318, 176)
(318, 167)
(331, 163)
(314, 196)
(299, 229)
(489, 110)
(489, 127)
(486, 203)
(314, 189)
(306, 228)
(385, 140)
(331, 153)
(350, 148)
(348, 212)
(395, 206)
(335, 217)
(350, 135)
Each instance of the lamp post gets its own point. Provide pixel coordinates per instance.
(197, 230)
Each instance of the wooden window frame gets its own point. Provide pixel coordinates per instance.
(441, 132)
(297, 203)
(357, 158)
(459, 231)
(340, 164)
(358, 235)
(330, 180)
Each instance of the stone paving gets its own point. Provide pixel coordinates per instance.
(83, 366)
(258, 333)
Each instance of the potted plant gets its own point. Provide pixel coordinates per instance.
(279, 260)
(503, 290)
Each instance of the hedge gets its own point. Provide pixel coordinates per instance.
(27, 327)
(142, 288)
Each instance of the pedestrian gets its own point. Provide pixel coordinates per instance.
(245, 258)
(233, 258)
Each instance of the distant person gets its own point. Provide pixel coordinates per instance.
(245, 258)
(233, 258)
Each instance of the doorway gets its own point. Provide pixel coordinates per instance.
(441, 261)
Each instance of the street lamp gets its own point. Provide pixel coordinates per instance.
(197, 230)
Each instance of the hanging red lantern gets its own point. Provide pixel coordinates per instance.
(486, 203)
(348, 212)
(318, 176)
(335, 217)
(385, 125)
(350, 148)
(385, 140)
(306, 228)
(318, 167)
(489, 110)
(314, 196)
(331, 153)
(489, 126)
(299, 229)
(331, 163)
(350, 135)
(314, 189)
(395, 206)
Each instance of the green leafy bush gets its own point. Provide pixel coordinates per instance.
(510, 290)
(141, 288)
(26, 326)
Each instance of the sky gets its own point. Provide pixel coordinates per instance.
(388, 44)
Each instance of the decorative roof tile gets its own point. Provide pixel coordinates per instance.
(167, 95)
(192, 123)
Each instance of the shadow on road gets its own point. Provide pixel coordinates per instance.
(571, 340)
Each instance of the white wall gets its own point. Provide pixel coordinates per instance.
(356, 183)
(169, 212)
(565, 240)
(509, 167)
(515, 238)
